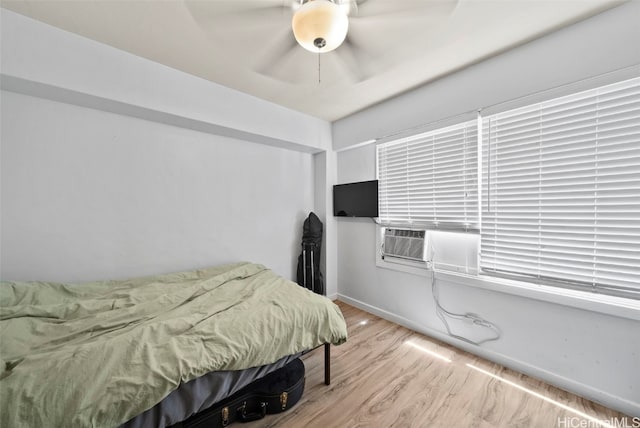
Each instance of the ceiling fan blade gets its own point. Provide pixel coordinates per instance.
(284, 45)
(388, 38)
(355, 59)
(206, 13)
(391, 9)
(349, 7)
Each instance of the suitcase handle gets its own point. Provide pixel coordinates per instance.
(248, 417)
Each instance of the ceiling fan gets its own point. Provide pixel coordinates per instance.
(360, 32)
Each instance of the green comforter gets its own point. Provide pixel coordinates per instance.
(100, 353)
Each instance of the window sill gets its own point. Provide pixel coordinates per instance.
(609, 305)
(600, 303)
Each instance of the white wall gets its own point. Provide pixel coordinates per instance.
(172, 180)
(589, 348)
(88, 195)
(324, 178)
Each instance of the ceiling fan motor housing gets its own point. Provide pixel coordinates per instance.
(320, 26)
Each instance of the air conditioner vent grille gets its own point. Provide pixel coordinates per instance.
(404, 243)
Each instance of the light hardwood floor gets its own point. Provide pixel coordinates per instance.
(389, 376)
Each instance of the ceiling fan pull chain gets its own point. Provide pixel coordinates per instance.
(318, 67)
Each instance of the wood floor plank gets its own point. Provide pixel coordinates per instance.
(389, 376)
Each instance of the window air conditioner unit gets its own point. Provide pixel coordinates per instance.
(404, 244)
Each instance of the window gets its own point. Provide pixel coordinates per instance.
(430, 180)
(560, 180)
(561, 191)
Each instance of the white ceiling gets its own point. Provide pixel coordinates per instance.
(393, 45)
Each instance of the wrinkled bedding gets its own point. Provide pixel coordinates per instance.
(98, 354)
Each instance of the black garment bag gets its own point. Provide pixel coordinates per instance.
(309, 274)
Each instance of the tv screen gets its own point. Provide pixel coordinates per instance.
(356, 199)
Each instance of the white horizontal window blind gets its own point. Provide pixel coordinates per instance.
(561, 191)
(430, 179)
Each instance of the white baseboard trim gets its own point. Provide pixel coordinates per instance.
(606, 399)
(333, 296)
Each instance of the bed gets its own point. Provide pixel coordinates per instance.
(104, 353)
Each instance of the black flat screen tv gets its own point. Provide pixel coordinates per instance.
(356, 199)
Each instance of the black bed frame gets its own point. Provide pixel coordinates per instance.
(327, 363)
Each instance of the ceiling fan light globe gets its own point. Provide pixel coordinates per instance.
(320, 19)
